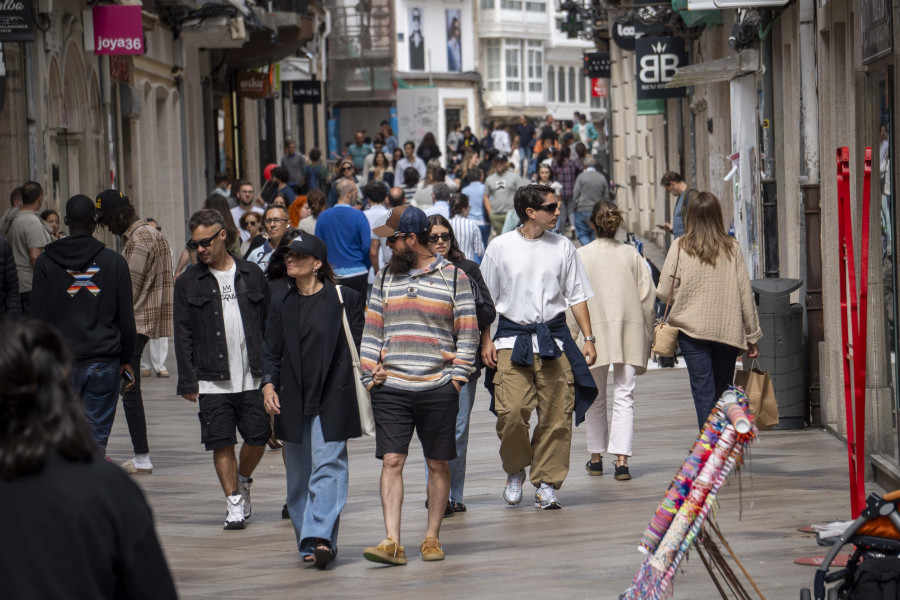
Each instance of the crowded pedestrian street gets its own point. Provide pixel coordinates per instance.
(587, 550)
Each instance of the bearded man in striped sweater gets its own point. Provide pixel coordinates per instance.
(418, 349)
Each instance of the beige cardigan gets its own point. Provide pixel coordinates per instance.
(622, 307)
(711, 303)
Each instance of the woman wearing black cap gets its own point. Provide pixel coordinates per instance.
(308, 384)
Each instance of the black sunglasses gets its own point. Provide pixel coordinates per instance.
(444, 237)
(393, 238)
(347, 168)
(550, 208)
(206, 243)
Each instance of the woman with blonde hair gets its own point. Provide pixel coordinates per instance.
(622, 321)
(712, 303)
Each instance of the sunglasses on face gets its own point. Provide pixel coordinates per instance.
(206, 243)
(252, 223)
(274, 221)
(550, 208)
(346, 168)
(393, 238)
(444, 237)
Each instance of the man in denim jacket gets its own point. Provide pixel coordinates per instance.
(221, 306)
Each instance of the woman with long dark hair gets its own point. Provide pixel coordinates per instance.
(381, 169)
(441, 240)
(428, 150)
(79, 526)
(308, 384)
(712, 303)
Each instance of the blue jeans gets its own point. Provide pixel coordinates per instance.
(485, 233)
(710, 368)
(525, 163)
(583, 229)
(317, 480)
(458, 464)
(98, 385)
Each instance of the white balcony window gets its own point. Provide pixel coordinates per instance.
(582, 98)
(535, 65)
(536, 7)
(572, 85)
(551, 85)
(494, 69)
(561, 84)
(487, 5)
(511, 5)
(512, 50)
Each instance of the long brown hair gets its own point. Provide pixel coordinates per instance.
(705, 236)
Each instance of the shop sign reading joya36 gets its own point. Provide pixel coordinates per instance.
(16, 21)
(118, 29)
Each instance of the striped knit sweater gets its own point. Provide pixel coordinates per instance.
(422, 334)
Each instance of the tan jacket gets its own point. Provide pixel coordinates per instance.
(711, 303)
(622, 307)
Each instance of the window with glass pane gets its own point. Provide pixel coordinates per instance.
(561, 84)
(571, 84)
(487, 4)
(535, 66)
(551, 90)
(511, 4)
(582, 83)
(513, 56)
(537, 7)
(494, 74)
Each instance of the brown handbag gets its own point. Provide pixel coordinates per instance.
(665, 338)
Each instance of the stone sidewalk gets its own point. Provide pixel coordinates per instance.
(586, 550)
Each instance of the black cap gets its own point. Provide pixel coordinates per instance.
(107, 200)
(308, 244)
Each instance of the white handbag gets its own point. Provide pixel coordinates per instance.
(363, 399)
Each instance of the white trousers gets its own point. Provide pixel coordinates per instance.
(157, 350)
(617, 438)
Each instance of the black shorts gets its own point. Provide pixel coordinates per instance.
(221, 413)
(431, 413)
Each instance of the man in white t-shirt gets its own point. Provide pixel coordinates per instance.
(220, 314)
(534, 276)
(246, 203)
(376, 195)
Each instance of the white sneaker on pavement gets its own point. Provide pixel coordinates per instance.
(244, 487)
(545, 498)
(234, 516)
(512, 493)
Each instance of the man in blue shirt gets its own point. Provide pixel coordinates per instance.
(359, 150)
(525, 131)
(348, 236)
(473, 188)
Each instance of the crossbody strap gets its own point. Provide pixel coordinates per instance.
(354, 355)
(672, 289)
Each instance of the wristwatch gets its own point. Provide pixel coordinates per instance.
(590, 338)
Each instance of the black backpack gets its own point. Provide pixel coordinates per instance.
(876, 579)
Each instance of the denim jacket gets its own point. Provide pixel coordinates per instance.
(200, 345)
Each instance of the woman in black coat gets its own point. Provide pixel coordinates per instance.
(442, 240)
(10, 305)
(308, 384)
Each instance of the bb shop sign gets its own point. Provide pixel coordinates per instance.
(118, 29)
(657, 61)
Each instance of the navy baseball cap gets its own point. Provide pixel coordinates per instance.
(308, 244)
(405, 219)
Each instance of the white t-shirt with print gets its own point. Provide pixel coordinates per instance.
(238, 360)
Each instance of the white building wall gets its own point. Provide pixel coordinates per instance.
(435, 34)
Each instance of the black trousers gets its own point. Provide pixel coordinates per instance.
(133, 402)
(360, 283)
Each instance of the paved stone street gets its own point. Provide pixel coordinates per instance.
(586, 550)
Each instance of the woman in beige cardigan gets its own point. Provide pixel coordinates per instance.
(712, 305)
(622, 320)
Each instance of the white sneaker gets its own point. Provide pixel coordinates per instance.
(512, 493)
(234, 516)
(545, 498)
(245, 496)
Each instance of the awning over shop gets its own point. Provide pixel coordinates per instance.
(721, 69)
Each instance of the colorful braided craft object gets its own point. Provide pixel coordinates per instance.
(691, 496)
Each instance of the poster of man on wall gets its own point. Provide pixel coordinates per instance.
(454, 52)
(416, 41)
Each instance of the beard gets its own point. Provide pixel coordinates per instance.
(402, 263)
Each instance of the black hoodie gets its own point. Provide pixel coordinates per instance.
(84, 290)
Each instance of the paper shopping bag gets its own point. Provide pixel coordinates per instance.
(758, 386)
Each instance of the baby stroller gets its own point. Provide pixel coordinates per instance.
(873, 571)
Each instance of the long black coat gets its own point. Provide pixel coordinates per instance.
(282, 367)
(10, 306)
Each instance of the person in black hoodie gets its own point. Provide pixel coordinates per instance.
(10, 304)
(84, 290)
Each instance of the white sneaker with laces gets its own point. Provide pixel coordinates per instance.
(512, 493)
(244, 487)
(234, 515)
(545, 498)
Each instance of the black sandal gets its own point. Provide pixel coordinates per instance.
(308, 559)
(323, 555)
(458, 507)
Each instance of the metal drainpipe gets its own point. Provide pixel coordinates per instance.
(30, 115)
(769, 189)
(179, 85)
(809, 192)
